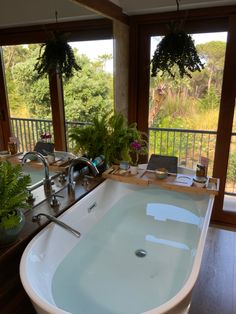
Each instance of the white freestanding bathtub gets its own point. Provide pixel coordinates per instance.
(140, 252)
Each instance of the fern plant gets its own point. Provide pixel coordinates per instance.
(109, 135)
(120, 136)
(90, 140)
(13, 193)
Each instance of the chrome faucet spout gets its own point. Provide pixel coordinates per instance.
(58, 222)
(75, 162)
(41, 158)
(47, 181)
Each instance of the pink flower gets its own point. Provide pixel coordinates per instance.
(137, 148)
(45, 135)
(135, 145)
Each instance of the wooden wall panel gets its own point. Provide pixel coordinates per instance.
(105, 8)
(58, 114)
(80, 30)
(226, 115)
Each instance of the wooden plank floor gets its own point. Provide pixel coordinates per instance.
(215, 291)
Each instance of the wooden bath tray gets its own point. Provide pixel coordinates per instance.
(58, 165)
(179, 182)
(115, 173)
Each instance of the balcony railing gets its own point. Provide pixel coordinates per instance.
(188, 145)
(28, 131)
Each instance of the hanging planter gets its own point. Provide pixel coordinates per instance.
(176, 52)
(56, 55)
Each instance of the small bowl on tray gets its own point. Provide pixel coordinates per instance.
(200, 182)
(161, 173)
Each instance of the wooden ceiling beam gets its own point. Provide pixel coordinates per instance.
(106, 8)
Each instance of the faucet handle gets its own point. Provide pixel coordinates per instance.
(30, 198)
(54, 202)
(62, 178)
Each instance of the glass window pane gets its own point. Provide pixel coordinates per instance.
(28, 95)
(89, 93)
(183, 112)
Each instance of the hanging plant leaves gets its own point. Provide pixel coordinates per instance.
(56, 55)
(176, 48)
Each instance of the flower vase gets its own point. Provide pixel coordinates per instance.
(133, 170)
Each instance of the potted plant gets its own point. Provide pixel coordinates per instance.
(137, 148)
(120, 135)
(13, 197)
(90, 140)
(109, 135)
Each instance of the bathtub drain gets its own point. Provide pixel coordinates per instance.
(140, 253)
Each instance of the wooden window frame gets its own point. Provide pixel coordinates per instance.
(216, 19)
(77, 31)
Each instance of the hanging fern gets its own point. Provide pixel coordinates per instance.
(176, 49)
(56, 55)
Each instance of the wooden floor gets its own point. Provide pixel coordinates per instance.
(215, 291)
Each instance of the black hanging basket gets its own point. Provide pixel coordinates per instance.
(176, 52)
(56, 55)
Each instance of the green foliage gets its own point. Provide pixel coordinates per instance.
(213, 53)
(202, 120)
(175, 110)
(211, 99)
(176, 48)
(13, 192)
(10, 220)
(191, 103)
(120, 136)
(28, 95)
(87, 93)
(57, 56)
(13, 55)
(108, 135)
(91, 139)
(33, 91)
(231, 173)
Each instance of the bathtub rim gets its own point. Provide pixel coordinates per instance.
(183, 293)
(35, 298)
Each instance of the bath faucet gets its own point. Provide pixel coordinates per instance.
(76, 161)
(46, 182)
(58, 222)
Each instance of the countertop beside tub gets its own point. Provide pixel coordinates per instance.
(12, 294)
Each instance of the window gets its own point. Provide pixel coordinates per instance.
(184, 112)
(28, 95)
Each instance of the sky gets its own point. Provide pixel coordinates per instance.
(93, 49)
